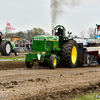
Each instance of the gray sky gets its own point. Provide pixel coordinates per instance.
(27, 14)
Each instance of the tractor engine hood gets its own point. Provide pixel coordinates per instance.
(47, 38)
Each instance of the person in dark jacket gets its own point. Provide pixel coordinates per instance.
(60, 34)
(1, 37)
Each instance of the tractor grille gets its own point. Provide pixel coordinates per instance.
(48, 45)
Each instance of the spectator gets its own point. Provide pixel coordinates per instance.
(1, 37)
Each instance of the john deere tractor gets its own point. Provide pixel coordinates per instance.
(52, 50)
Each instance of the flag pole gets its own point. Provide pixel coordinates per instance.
(6, 30)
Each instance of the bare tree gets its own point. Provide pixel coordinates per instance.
(91, 32)
(7, 31)
(48, 34)
(82, 33)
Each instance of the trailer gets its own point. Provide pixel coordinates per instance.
(90, 51)
(92, 46)
(58, 49)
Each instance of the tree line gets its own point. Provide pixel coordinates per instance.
(29, 34)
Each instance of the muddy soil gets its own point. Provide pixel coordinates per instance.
(11, 64)
(46, 84)
(40, 83)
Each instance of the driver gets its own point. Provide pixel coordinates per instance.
(60, 34)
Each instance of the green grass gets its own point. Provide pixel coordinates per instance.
(12, 59)
(91, 96)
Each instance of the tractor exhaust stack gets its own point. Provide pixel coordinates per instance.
(52, 32)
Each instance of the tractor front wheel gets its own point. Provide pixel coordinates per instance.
(52, 61)
(29, 64)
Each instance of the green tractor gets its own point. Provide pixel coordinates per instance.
(52, 50)
(7, 47)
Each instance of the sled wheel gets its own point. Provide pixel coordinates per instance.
(87, 59)
(98, 60)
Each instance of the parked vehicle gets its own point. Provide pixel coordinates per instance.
(7, 47)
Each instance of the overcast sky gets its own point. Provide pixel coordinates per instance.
(27, 14)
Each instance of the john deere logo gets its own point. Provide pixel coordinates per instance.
(38, 43)
(55, 46)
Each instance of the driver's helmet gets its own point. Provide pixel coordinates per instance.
(59, 29)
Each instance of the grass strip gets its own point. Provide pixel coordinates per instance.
(92, 96)
(12, 59)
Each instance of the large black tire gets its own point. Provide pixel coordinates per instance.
(29, 64)
(98, 60)
(5, 48)
(16, 52)
(69, 54)
(53, 61)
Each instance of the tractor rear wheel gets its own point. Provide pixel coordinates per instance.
(53, 61)
(5, 48)
(69, 54)
(29, 64)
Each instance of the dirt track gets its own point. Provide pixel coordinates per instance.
(19, 82)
